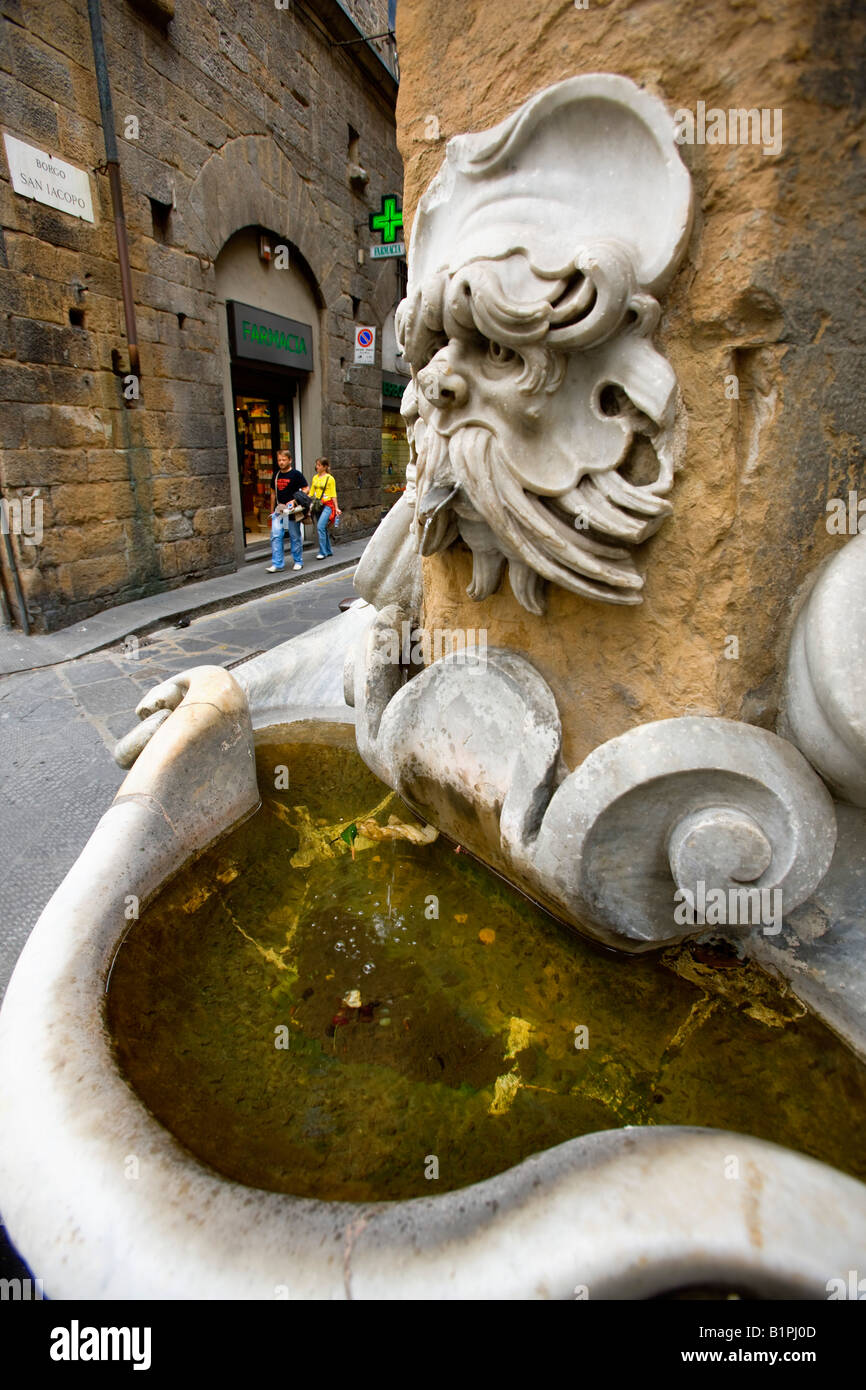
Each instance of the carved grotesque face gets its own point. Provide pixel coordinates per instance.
(542, 421)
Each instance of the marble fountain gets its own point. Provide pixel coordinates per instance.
(538, 256)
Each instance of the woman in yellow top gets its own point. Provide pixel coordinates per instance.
(323, 489)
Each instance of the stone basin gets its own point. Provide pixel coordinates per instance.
(103, 1202)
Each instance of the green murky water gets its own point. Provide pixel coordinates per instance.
(227, 1006)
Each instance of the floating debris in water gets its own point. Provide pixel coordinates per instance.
(350, 835)
(486, 936)
(399, 830)
(353, 999)
(198, 898)
(744, 985)
(518, 1036)
(504, 1091)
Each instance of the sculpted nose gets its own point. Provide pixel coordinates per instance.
(442, 386)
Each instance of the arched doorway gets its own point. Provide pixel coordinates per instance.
(269, 309)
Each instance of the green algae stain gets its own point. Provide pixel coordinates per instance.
(227, 1005)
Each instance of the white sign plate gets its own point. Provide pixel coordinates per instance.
(36, 174)
(365, 346)
(396, 248)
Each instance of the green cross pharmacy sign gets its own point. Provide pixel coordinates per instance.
(388, 221)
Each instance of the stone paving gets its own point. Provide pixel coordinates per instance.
(113, 625)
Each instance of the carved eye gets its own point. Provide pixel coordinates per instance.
(500, 355)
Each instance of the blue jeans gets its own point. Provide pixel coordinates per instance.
(322, 529)
(279, 524)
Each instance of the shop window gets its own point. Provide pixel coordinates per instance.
(395, 456)
(263, 425)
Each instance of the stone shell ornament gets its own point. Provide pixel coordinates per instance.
(546, 426)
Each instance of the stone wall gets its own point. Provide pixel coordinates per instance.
(371, 17)
(769, 294)
(243, 120)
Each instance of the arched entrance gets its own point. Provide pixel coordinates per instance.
(269, 310)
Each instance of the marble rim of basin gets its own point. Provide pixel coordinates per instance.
(104, 1203)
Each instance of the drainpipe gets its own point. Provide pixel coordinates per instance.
(112, 162)
(16, 582)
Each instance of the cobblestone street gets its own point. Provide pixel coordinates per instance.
(58, 727)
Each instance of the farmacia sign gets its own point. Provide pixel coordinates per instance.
(264, 337)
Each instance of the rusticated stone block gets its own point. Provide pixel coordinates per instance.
(41, 342)
(212, 521)
(196, 430)
(200, 553)
(172, 528)
(26, 468)
(38, 67)
(67, 544)
(166, 560)
(180, 494)
(19, 383)
(46, 427)
(26, 110)
(107, 465)
(102, 574)
(193, 462)
(74, 502)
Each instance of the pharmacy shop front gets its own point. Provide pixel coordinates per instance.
(271, 363)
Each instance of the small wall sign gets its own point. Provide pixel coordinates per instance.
(39, 175)
(379, 253)
(365, 346)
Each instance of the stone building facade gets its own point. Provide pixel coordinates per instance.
(255, 141)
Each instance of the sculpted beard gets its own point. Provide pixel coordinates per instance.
(495, 417)
(467, 488)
